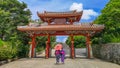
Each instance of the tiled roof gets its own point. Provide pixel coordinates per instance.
(61, 27)
(51, 15)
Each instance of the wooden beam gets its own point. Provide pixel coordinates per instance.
(59, 34)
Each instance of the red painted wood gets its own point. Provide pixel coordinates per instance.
(73, 53)
(72, 47)
(33, 46)
(47, 53)
(71, 22)
(46, 50)
(60, 34)
(88, 46)
(48, 45)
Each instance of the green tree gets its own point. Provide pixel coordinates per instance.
(12, 14)
(41, 42)
(79, 41)
(7, 51)
(110, 17)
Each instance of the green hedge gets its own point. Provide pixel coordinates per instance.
(10, 50)
(7, 51)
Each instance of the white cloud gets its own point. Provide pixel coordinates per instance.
(87, 13)
(76, 6)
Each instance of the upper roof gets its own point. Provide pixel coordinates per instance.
(70, 15)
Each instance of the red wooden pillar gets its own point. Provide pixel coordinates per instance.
(49, 47)
(72, 48)
(47, 50)
(33, 47)
(89, 49)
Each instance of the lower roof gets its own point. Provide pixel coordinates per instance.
(77, 29)
(93, 27)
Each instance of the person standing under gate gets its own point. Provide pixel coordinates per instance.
(57, 48)
(62, 53)
(57, 55)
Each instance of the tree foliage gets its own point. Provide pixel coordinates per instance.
(110, 17)
(7, 51)
(41, 42)
(12, 14)
(79, 41)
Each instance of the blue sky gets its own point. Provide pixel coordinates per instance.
(91, 8)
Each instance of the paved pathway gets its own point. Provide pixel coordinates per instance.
(50, 63)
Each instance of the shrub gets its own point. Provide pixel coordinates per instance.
(7, 51)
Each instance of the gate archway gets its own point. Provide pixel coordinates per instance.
(61, 23)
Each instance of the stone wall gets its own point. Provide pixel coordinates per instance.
(109, 52)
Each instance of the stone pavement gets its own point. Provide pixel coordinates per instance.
(50, 63)
(79, 62)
